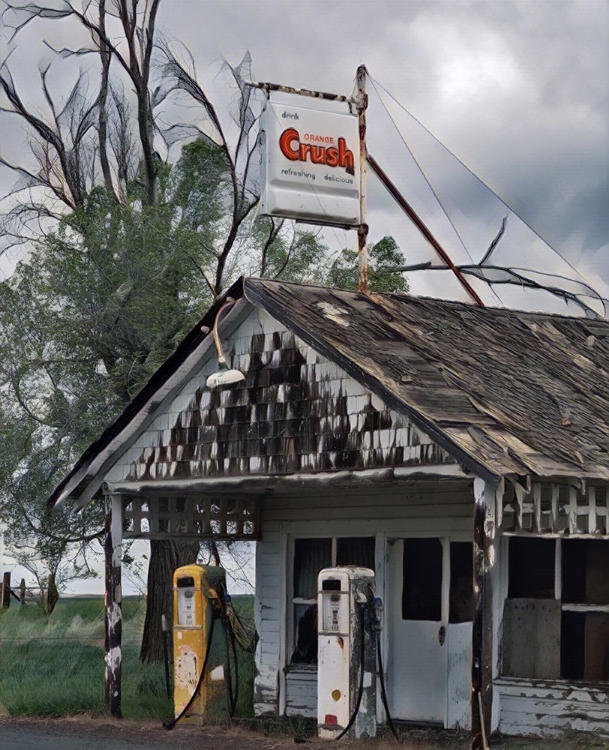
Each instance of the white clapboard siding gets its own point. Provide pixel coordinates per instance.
(419, 508)
(301, 689)
(543, 709)
(267, 619)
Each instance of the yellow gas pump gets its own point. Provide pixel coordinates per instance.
(199, 645)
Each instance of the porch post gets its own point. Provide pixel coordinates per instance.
(482, 636)
(113, 599)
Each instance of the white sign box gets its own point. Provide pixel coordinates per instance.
(310, 165)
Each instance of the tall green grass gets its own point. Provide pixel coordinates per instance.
(54, 666)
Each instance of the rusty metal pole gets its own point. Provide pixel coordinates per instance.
(418, 222)
(362, 230)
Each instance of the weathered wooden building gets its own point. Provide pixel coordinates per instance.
(462, 453)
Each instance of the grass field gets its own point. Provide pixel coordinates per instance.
(54, 666)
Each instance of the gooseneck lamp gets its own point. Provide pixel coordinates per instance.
(223, 376)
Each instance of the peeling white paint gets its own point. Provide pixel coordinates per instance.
(334, 313)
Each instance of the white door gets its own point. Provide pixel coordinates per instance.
(429, 647)
(417, 655)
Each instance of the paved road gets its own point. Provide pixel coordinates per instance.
(39, 739)
(96, 734)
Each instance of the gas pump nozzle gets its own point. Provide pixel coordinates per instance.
(376, 605)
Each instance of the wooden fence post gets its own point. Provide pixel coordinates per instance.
(22, 591)
(482, 635)
(6, 590)
(113, 599)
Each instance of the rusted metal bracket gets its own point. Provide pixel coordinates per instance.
(268, 87)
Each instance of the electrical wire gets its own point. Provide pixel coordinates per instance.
(231, 644)
(423, 174)
(499, 198)
(428, 182)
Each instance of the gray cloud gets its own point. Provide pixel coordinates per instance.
(518, 89)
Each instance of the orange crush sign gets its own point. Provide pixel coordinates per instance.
(294, 150)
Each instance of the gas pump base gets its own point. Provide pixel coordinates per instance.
(198, 592)
(346, 653)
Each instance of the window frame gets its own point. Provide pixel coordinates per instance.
(581, 608)
(292, 601)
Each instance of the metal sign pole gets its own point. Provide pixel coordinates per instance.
(362, 230)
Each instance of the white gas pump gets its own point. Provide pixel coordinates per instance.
(346, 656)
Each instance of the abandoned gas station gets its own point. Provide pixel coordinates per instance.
(461, 454)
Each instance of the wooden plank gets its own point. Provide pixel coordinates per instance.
(526, 622)
(482, 630)
(374, 512)
(6, 590)
(113, 602)
(536, 507)
(591, 509)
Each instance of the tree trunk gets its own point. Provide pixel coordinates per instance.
(52, 594)
(165, 557)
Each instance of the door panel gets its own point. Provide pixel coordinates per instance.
(430, 630)
(418, 653)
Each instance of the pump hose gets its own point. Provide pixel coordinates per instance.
(360, 691)
(231, 645)
(382, 681)
(171, 724)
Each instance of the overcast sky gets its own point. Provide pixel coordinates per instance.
(518, 90)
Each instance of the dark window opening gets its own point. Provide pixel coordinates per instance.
(572, 637)
(310, 557)
(461, 582)
(531, 571)
(355, 551)
(422, 587)
(574, 628)
(584, 652)
(585, 571)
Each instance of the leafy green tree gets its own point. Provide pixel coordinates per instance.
(382, 255)
(127, 246)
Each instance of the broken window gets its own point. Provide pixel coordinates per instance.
(422, 581)
(461, 608)
(585, 615)
(310, 557)
(531, 570)
(558, 600)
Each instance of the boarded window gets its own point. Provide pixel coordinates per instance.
(461, 582)
(531, 572)
(574, 627)
(422, 582)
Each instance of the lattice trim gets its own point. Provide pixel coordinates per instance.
(191, 517)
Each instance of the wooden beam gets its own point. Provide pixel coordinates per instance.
(482, 634)
(6, 590)
(113, 600)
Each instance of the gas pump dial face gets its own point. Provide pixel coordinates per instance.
(186, 606)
